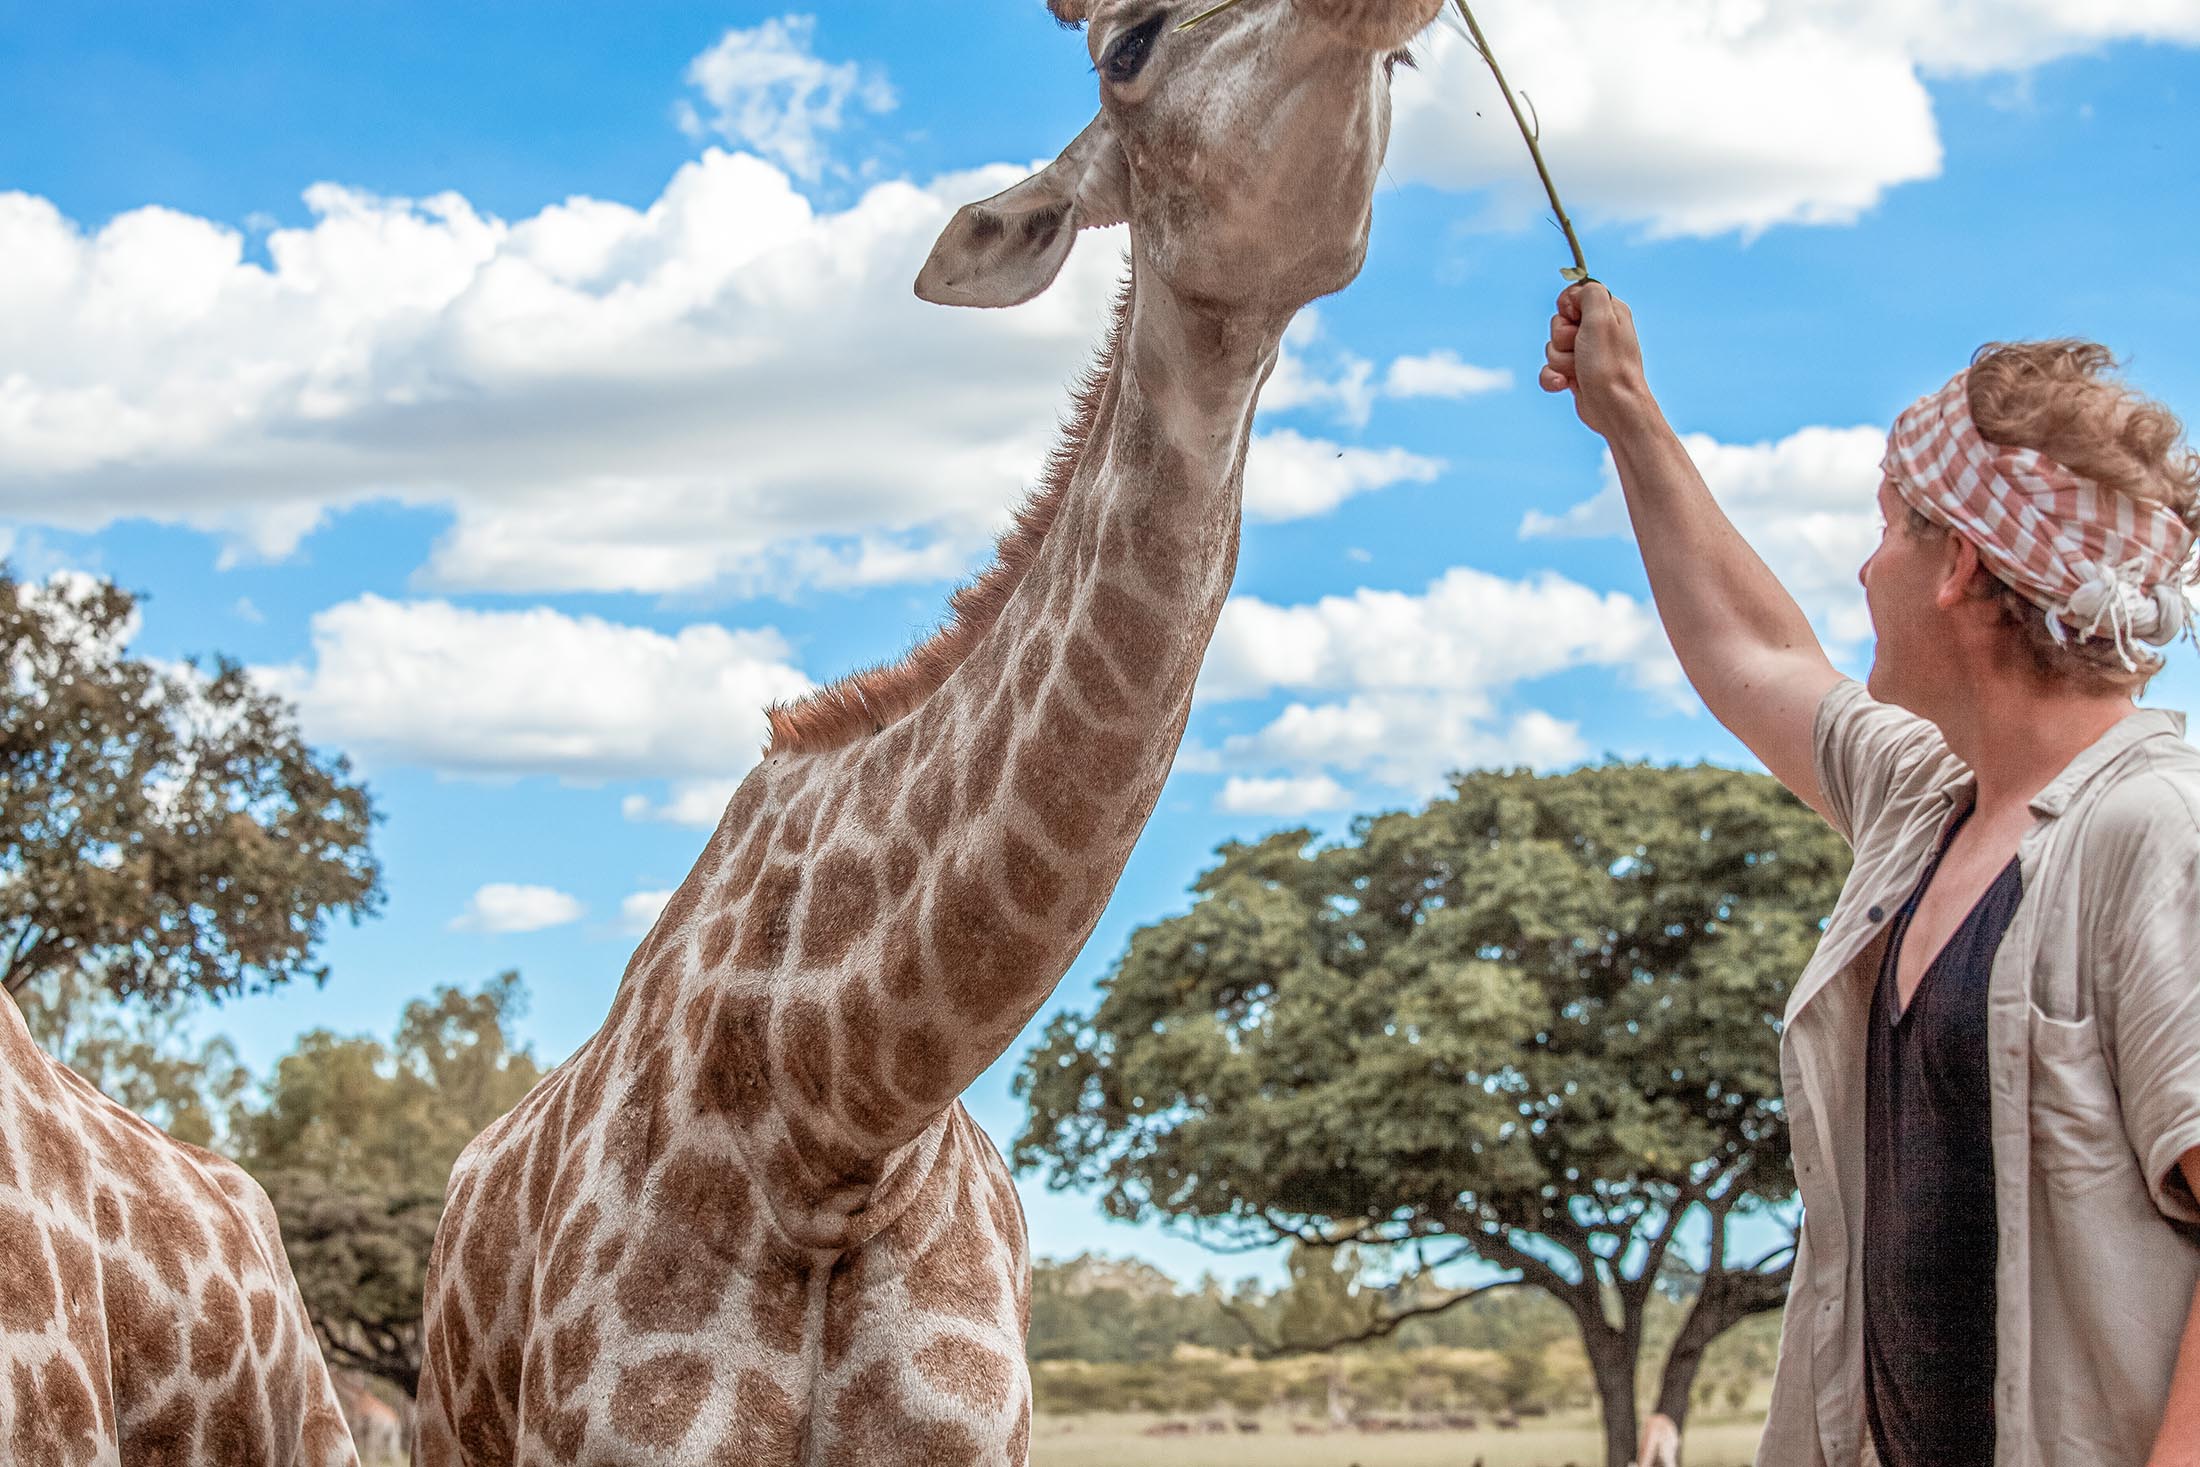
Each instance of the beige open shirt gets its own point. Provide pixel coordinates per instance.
(2093, 1028)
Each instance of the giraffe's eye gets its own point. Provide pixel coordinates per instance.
(1128, 53)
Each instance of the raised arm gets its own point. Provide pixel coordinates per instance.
(1745, 645)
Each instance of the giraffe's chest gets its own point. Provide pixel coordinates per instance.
(700, 1336)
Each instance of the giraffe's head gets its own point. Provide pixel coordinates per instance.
(1243, 151)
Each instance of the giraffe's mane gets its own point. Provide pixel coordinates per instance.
(866, 702)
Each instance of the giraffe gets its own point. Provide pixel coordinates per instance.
(148, 1317)
(749, 1221)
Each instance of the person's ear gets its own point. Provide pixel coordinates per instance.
(1962, 573)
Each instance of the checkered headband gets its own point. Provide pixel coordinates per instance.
(2098, 565)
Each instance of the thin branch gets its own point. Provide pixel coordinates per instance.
(1580, 267)
(1379, 1329)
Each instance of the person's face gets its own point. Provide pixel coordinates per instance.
(1902, 579)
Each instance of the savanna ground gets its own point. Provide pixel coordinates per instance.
(1112, 1440)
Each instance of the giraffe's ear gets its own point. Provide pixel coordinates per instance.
(1004, 250)
(1071, 12)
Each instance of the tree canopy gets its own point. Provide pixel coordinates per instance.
(163, 827)
(355, 1144)
(1535, 1023)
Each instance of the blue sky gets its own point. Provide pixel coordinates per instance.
(535, 392)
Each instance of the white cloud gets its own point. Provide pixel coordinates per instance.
(729, 390)
(1414, 681)
(503, 907)
(767, 91)
(1469, 629)
(1806, 503)
(1286, 796)
(1443, 374)
(1697, 117)
(697, 802)
(1409, 740)
(507, 693)
(1289, 476)
(1347, 386)
(638, 913)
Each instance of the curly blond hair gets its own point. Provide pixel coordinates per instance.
(2062, 399)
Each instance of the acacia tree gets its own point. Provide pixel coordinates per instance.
(355, 1144)
(163, 827)
(1535, 1024)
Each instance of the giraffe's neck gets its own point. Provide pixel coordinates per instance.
(873, 925)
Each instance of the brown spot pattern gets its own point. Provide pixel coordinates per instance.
(1033, 884)
(991, 955)
(967, 1370)
(932, 798)
(711, 1200)
(736, 1078)
(769, 918)
(669, 1284)
(217, 1333)
(875, 1426)
(778, 1299)
(655, 1400)
(955, 1276)
(27, 1300)
(843, 904)
(1137, 640)
(1056, 797)
(806, 1042)
(921, 1065)
(765, 1426)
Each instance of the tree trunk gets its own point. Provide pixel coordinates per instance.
(1340, 1410)
(1612, 1357)
(1725, 1301)
(1678, 1379)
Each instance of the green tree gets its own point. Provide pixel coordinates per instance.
(1324, 1304)
(1105, 1310)
(162, 827)
(1535, 1023)
(355, 1144)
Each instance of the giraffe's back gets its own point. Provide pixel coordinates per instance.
(147, 1311)
(609, 1287)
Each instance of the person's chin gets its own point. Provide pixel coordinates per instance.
(1881, 683)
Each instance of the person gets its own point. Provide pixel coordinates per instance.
(1991, 1067)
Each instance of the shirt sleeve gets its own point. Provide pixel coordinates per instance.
(2149, 995)
(1869, 754)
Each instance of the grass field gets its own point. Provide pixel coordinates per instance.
(1110, 1441)
(1114, 1440)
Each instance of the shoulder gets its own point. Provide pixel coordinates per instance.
(1875, 761)
(2154, 797)
(2141, 840)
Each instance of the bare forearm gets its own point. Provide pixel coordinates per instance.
(1746, 647)
(1719, 600)
(2177, 1444)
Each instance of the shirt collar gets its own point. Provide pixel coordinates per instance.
(2132, 729)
